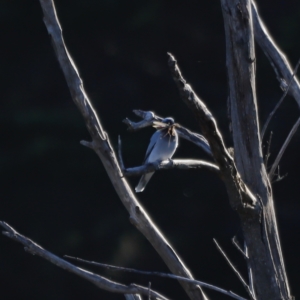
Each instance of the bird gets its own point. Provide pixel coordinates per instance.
(162, 146)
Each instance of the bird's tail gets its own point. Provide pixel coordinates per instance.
(143, 182)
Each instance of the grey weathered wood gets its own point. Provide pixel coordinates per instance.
(276, 57)
(283, 148)
(182, 164)
(286, 90)
(101, 145)
(239, 193)
(260, 230)
(99, 281)
(160, 274)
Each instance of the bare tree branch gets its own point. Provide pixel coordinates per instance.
(148, 118)
(182, 164)
(160, 274)
(277, 59)
(278, 176)
(279, 102)
(265, 257)
(283, 148)
(250, 277)
(101, 145)
(237, 273)
(98, 280)
(239, 193)
(238, 247)
(263, 244)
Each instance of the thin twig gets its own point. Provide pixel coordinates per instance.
(166, 275)
(280, 101)
(98, 280)
(229, 173)
(268, 149)
(182, 164)
(236, 244)
(87, 144)
(283, 148)
(148, 118)
(235, 270)
(278, 176)
(250, 276)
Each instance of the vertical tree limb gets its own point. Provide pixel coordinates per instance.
(277, 59)
(240, 196)
(260, 232)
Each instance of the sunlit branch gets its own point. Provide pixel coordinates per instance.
(98, 280)
(160, 274)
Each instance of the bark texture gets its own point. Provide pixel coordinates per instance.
(260, 228)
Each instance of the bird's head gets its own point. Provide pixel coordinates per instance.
(167, 123)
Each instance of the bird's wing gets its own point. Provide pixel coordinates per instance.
(155, 137)
(164, 148)
(204, 143)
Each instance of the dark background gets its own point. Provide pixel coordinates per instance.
(56, 192)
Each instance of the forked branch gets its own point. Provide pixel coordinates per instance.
(276, 57)
(99, 281)
(260, 232)
(160, 274)
(240, 196)
(279, 102)
(101, 145)
(237, 273)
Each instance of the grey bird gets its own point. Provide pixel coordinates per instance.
(163, 144)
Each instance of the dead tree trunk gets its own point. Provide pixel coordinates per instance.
(265, 261)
